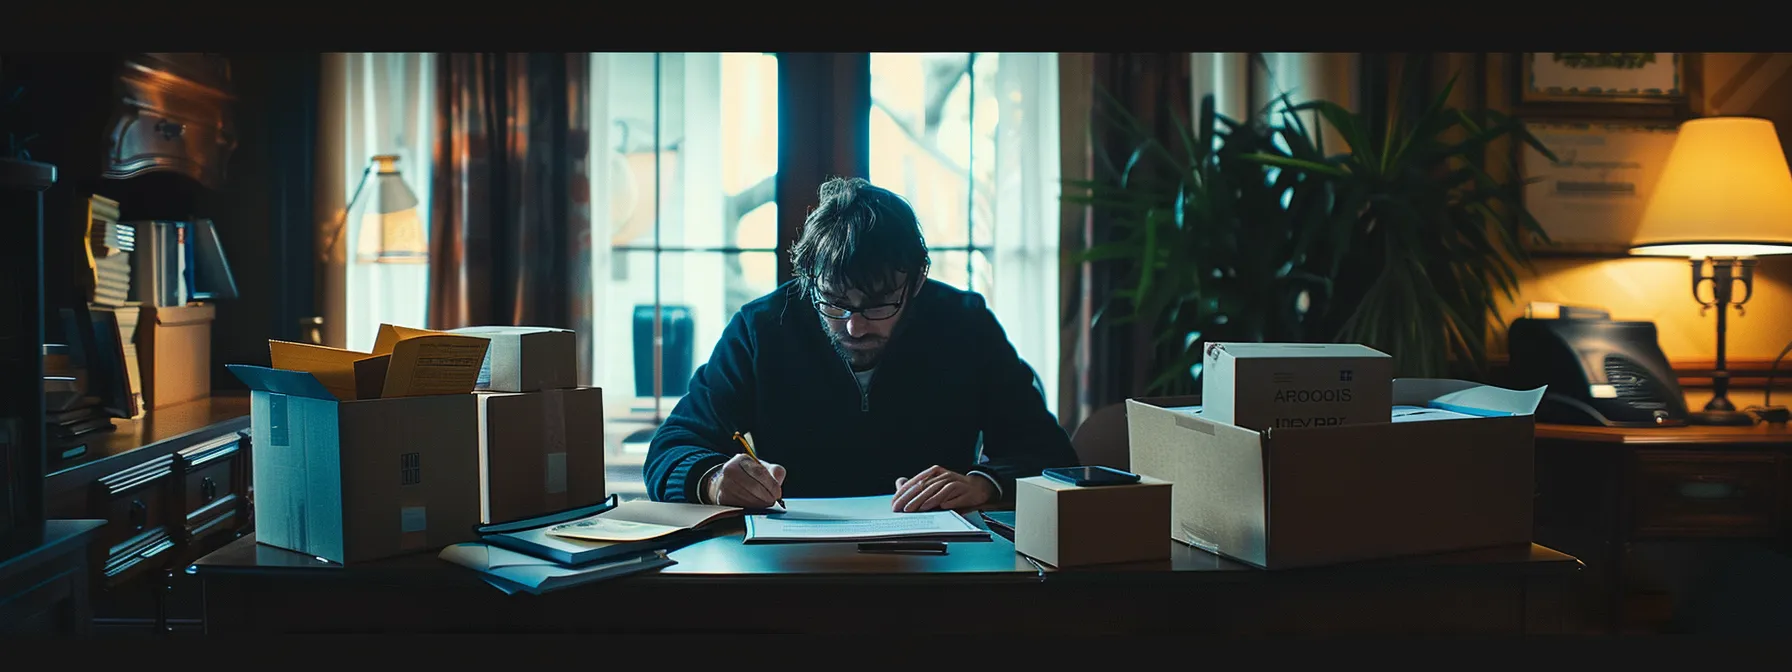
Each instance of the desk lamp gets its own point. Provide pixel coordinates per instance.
(391, 230)
(1724, 198)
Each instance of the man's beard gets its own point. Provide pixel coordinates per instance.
(859, 360)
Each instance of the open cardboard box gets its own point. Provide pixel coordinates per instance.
(1450, 470)
(361, 456)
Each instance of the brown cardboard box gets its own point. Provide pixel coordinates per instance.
(175, 353)
(352, 481)
(1064, 525)
(1431, 480)
(1277, 385)
(527, 359)
(539, 452)
(361, 456)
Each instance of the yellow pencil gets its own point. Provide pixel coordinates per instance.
(746, 441)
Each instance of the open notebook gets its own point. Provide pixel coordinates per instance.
(606, 532)
(857, 519)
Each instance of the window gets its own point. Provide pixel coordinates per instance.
(685, 151)
(692, 225)
(971, 140)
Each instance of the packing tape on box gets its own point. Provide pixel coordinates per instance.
(1193, 538)
(554, 440)
(1188, 422)
(413, 511)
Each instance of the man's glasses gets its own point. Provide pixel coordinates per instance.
(882, 311)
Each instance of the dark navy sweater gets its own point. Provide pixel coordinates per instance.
(947, 377)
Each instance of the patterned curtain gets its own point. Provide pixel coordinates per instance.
(510, 232)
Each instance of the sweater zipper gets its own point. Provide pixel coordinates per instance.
(864, 390)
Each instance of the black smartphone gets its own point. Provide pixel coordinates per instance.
(1091, 476)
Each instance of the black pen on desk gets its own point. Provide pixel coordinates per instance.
(746, 441)
(925, 547)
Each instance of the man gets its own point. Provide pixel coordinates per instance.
(859, 377)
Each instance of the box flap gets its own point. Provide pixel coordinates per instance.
(292, 383)
(1467, 398)
(342, 372)
(1288, 350)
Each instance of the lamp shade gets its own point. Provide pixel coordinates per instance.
(391, 227)
(1725, 192)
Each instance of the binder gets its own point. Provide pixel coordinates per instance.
(529, 536)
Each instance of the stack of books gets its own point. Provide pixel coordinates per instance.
(113, 243)
(71, 414)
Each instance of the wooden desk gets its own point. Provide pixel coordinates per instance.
(170, 485)
(1599, 489)
(830, 588)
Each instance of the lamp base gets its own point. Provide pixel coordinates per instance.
(1720, 418)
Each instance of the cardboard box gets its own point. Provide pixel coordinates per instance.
(358, 456)
(175, 353)
(1064, 525)
(1450, 469)
(1275, 385)
(539, 452)
(527, 359)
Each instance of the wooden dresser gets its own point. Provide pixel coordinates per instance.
(171, 486)
(1603, 491)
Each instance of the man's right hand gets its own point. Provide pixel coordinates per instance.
(746, 483)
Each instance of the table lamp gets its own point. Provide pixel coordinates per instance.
(391, 229)
(1724, 197)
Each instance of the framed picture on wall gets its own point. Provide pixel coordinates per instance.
(1591, 198)
(1609, 85)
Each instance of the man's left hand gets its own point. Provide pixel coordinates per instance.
(939, 489)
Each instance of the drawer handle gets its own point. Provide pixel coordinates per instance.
(170, 130)
(139, 515)
(208, 489)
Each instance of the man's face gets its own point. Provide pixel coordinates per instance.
(869, 319)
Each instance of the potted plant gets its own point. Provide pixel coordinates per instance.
(1252, 232)
(1428, 240)
(1216, 246)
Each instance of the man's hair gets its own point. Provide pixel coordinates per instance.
(859, 236)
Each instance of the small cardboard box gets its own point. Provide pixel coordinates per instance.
(539, 452)
(1274, 385)
(527, 359)
(1064, 525)
(175, 353)
(1450, 469)
(361, 456)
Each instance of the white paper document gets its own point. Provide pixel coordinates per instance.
(856, 519)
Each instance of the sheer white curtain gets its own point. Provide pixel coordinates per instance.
(1025, 241)
(610, 176)
(1304, 77)
(389, 108)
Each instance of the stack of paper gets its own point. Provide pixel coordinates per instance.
(856, 519)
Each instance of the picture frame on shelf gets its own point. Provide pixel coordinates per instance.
(1608, 85)
(1591, 199)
